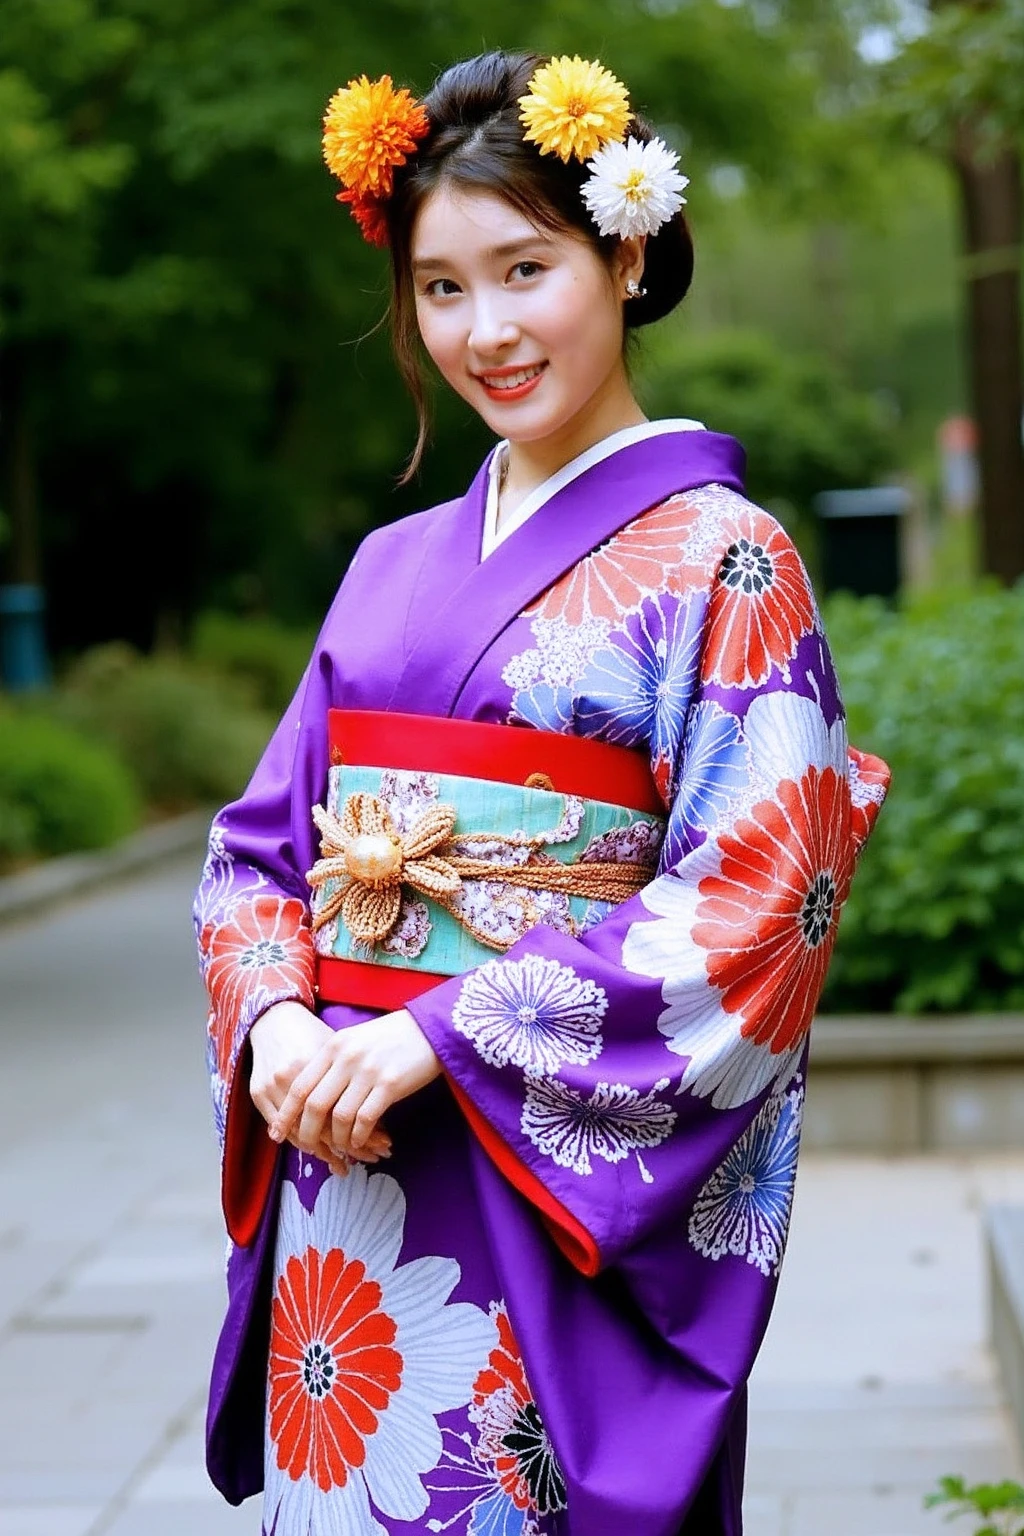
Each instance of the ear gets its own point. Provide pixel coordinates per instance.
(628, 261)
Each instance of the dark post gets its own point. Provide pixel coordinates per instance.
(861, 539)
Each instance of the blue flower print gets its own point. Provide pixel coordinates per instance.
(744, 1207)
(638, 687)
(545, 706)
(715, 765)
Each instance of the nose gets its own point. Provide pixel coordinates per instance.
(491, 327)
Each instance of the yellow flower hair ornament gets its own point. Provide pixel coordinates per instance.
(369, 130)
(572, 107)
(577, 108)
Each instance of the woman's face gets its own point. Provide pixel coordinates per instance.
(524, 323)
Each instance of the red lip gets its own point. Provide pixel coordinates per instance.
(518, 391)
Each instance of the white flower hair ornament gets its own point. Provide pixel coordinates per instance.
(634, 188)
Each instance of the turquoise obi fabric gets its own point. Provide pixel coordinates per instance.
(428, 937)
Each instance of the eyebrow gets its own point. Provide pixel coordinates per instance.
(496, 252)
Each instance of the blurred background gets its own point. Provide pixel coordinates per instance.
(199, 416)
(200, 419)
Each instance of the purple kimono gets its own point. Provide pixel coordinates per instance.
(410, 1350)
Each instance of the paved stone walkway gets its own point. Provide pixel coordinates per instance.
(873, 1381)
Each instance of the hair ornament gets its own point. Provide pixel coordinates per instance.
(370, 213)
(574, 106)
(369, 130)
(634, 187)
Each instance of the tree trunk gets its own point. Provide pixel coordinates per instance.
(18, 471)
(993, 224)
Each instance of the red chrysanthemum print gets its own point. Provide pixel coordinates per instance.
(365, 1354)
(333, 1366)
(869, 785)
(768, 918)
(640, 559)
(513, 1439)
(265, 946)
(761, 603)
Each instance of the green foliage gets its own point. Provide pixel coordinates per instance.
(190, 317)
(804, 429)
(59, 791)
(1004, 1501)
(967, 64)
(936, 917)
(266, 656)
(189, 737)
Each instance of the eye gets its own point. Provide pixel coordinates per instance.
(527, 269)
(441, 288)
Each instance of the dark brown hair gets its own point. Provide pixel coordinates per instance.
(476, 141)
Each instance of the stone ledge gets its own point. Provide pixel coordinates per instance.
(36, 890)
(894, 1084)
(1004, 1239)
(886, 1039)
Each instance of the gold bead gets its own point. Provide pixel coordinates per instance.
(373, 856)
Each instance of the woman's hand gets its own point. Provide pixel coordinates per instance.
(353, 1079)
(284, 1041)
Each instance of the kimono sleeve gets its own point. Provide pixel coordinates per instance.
(251, 919)
(611, 1075)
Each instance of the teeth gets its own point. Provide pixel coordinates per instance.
(512, 380)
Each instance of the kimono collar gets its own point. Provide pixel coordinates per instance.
(460, 612)
(493, 536)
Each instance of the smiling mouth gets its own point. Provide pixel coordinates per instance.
(503, 381)
(512, 384)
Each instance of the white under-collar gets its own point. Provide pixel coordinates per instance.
(493, 536)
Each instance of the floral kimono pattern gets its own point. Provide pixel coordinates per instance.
(541, 1318)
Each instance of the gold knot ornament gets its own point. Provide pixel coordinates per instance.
(371, 861)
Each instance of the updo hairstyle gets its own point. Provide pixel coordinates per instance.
(476, 141)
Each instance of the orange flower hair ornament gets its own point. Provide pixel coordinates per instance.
(369, 130)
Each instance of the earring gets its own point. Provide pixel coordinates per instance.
(634, 290)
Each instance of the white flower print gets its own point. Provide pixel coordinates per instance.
(744, 1207)
(506, 913)
(523, 670)
(613, 1122)
(532, 1013)
(408, 795)
(410, 934)
(565, 649)
(364, 1356)
(639, 843)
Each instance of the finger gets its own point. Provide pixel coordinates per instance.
(294, 1101)
(344, 1113)
(364, 1125)
(314, 1123)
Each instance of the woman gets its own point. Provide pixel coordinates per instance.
(514, 939)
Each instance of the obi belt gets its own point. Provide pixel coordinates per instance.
(443, 841)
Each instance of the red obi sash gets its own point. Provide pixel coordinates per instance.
(505, 754)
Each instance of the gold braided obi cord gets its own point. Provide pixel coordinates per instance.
(433, 872)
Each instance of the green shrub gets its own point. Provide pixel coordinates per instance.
(59, 792)
(804, 426)
(936, 688)
(260, 653)
(190, 738)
